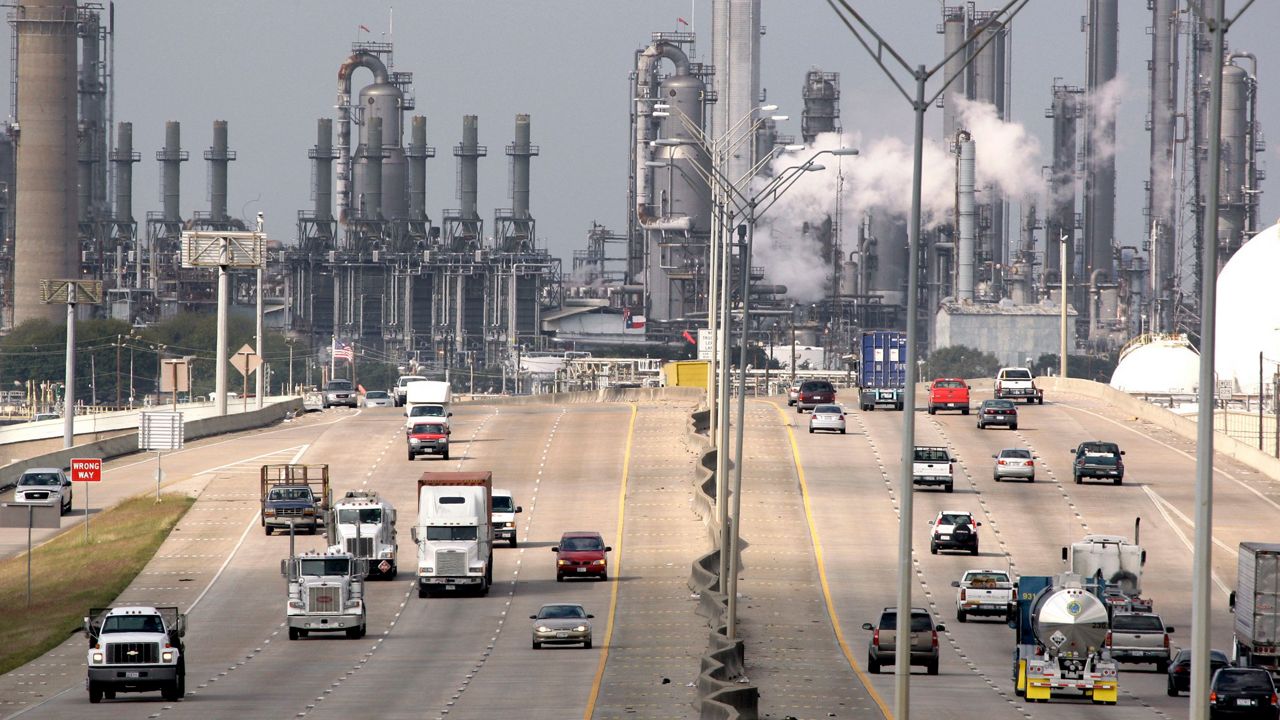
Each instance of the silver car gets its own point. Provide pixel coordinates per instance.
(827, 417)
(378, 398)
(561, 624)
(44, 486)
(1014, 463)
(793, 394)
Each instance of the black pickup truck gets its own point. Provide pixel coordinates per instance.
(1098, 459)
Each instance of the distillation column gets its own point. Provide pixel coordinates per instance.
(954, 30)
(1099, 141)
(1238, 203)
(123, 158)
(1060, 219)
(417, 155)
(965, 226)
(46, 207)
(1161, 182)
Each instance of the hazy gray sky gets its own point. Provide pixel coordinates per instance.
(269, 68)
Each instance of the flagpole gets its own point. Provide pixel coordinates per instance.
(333, 357)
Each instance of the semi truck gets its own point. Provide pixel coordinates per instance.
(1254, 602)
(882, 369)
(136, 648)
(325, 593)
(294, 496)
(454, 533)
(1059, 630)
(1112, 567)
(427, 399)
(364, 524)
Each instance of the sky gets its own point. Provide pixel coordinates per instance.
(269, 68)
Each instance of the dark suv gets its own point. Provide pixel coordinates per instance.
(1098, 459)
(924, 640)
(814, 393)
(1243, 693)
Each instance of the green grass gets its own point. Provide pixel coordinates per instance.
(68, 577)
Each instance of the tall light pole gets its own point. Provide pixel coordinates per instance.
(919, 105)
(1062, 306)
(71, 292)
(260, 338)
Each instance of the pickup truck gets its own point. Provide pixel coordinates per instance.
(136, 648)
(1098, 459)
(1140, 637)
(1016, 383)
(933, 466)
(948, 394)
(984, 592)
(294, 496)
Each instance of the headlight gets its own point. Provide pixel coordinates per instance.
(414, 441)
(388, 553)
(296, 604)
(97, 658)
(580, 628)
(562, 562)
(425, 571)
(166, 656)
(601, 561)
(269, 512)
(543, 628)
(309, 511)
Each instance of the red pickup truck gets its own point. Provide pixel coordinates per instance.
(948, 394)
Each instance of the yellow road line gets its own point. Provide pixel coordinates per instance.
(617, 568)
(822, 571)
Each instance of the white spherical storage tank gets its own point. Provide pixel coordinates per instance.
(1249, 313)
(1166, 365)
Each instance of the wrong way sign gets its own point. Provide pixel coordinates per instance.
(86, 469)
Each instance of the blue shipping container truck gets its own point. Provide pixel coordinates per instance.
(882, 370)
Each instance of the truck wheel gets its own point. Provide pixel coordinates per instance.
(933, 667)
(810, 431)
(950, 487)
(1040, 400)
(294, 634)
(267, 529)
(1013, 426)
(513, 542)
(974, 551)
(898, 407)
(1079, 480)
(933, 410)
(411, 456)
(353, 633)
(1162, 667)
(95, 692)
(964, 411)
(395, 570)
(961, 615)
(446, 455)
(841, 431)
(422, 592)
(873, 667)
(170, 691)
(1119, 480)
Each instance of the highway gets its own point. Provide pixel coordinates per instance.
(819, 514)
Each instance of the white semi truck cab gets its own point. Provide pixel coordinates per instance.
(326, 593)
(454, 533)
(135, 649)
(364, 525)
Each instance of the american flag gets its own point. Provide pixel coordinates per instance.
(343, 351)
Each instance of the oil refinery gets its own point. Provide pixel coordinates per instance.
(366, 262)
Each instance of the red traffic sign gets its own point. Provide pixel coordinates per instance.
(86, 469)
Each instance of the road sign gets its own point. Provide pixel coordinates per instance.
(216, 249)
(161, 430)
(31, 515)
(175, 371)
(86, 469)
(58, 291)
(246, 360)
(704, 342)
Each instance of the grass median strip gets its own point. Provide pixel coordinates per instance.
(68, 577)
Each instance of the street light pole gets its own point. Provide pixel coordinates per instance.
(1062, 309)
(69, 378)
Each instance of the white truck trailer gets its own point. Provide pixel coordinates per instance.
(427, 399)
(454, 533)
(1254, 602)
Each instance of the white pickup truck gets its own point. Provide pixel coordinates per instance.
(984, 592)
(1017, 383)
(932, 466)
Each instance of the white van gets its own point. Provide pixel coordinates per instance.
(504, 516)
(427, 399)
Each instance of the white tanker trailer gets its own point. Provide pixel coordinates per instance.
(1061, 626)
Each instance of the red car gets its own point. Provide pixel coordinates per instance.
(581, 554)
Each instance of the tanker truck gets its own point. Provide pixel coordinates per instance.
(1060, 628)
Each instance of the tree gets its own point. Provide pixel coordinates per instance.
(1099, 368)
(961, 361)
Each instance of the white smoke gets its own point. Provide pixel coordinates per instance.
(1005, 154)
(1103, 107)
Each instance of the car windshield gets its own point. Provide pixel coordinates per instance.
(132, 623)
(948, 384)
(817, 386)
(1140, 623)
(931, 455)
(426, 411)
(428, 429)
(451, 532)
(985, 579)
(290, 493)
(955, 519)
(1017, 374)
(338, 385)
(324, 566)
(581, 544)
(503, 504)
(39, 479)
(549, 612)
(919, 622)
(1243, 681)
(1016, 454)
(410, 378)
(827, 410)
(376, 395)
(365, 516)
(998, 404)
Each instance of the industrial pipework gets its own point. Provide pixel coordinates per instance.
(358, 59)
(646, 96)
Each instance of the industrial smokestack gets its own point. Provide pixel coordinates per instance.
(735, 52)
(1161, 182)
(1100, 139)
(1061, 215)
(468, 153)
(373, 154)
(954, 30)
(520, 152)
(989, 87)
(123, 158)
(966, 227)
(323, 155)
(171, 159)
(46, 206)
(418, 153)
(218, 156)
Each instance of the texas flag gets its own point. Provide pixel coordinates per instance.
(632, 322)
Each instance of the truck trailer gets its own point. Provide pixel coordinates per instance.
(1257, 622)
(1060, 627)
(454, 533)
(882, 369)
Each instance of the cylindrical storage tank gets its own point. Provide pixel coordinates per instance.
(679, 191)
(1070, 621)
(1108, 303)
(46, 206)
(218, 172)
(373, 170)
(1235, 122)
(418, 168)
(889, 266)
(849, 279)
(323, 156)
(384, 101)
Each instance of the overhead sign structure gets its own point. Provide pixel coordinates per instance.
(223, 249)
(246, 360)
(161, 430)
(74, 291)
(86, 469)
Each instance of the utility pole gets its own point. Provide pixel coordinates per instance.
(117, 371)
(70, 292)
(260, 337)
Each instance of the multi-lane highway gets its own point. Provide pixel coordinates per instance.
(819, 514)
